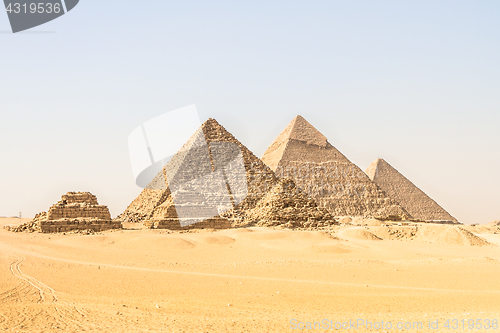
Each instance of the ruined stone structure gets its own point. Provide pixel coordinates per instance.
(75, 205)
(303, 154)
(75, 211)
(288, 206)
(212, 182)
(409, 196)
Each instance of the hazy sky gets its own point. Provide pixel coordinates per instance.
(414, 82)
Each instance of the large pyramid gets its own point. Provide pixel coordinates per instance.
(303, 154)
(413, 199)
(213, 177)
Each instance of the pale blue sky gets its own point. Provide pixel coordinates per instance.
(414, 82)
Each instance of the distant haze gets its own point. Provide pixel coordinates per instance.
(415, 83)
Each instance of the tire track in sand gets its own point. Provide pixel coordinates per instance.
(36, 304)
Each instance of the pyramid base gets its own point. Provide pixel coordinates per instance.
(436, 221)
(65, 225)
(174, 224)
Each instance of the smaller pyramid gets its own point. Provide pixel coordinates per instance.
(287, 206)
(75, 211)
(409, 196)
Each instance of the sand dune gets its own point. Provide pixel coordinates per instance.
(242, 280)
(423, 232)
(357, 233)
(490, 228)
(449, 235)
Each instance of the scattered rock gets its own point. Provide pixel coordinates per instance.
(286, 205)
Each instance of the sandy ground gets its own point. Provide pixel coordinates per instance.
(246, 280)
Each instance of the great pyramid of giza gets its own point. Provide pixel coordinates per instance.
(213, 177)
(413, 199)
(303, 154)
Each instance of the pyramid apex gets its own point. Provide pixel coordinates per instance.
(210, 124)
(210, 120)
(372, 170)
(302, 130)
(408, 195)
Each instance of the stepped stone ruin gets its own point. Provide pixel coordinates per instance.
(75, 211)
(284, 205)
(304, 155)
(414, 200)
(211, 182)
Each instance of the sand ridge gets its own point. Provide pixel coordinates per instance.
(243, 280)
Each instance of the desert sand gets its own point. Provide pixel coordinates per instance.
(247, 279)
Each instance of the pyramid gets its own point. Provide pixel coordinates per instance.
(75, 211)
(284, 205)
(303, 154)
(213, 177)
(409, 196)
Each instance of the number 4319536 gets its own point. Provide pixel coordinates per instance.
(33, 8)
(471, 324)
